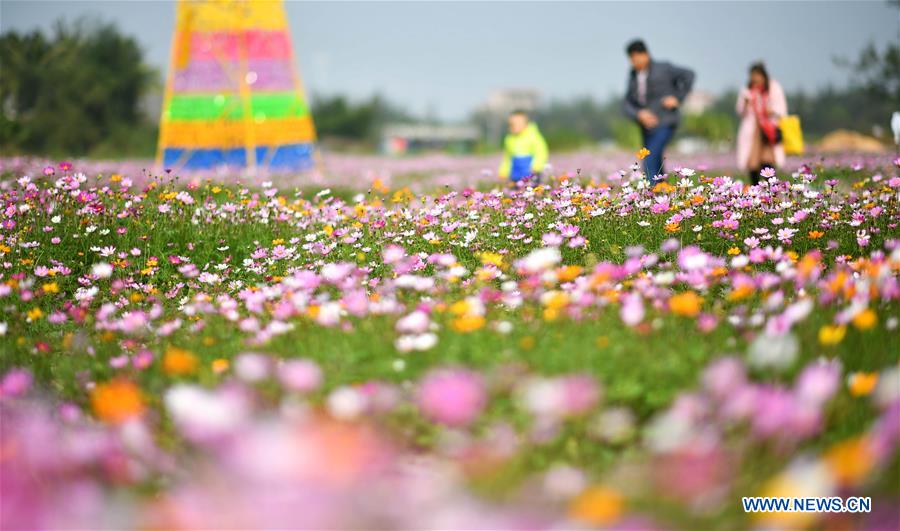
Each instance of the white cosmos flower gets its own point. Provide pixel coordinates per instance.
(540, 260)
(102, 270)
(202, 413)
(776, 351)
(346, 403)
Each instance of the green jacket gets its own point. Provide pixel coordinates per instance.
(524, 154)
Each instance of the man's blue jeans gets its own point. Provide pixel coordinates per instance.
(655, 140)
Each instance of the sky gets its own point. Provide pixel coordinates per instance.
(444, 58)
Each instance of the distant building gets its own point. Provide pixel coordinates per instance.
(698, 101)
(400, 139)
(505, 101)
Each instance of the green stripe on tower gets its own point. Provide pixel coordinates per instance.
(228, 107)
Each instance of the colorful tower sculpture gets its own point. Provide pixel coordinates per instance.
(233, 96)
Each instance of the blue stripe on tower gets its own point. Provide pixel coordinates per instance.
(283, 157)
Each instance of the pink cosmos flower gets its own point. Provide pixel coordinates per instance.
(551, 239)
(632, 311)
(818, 382)
(453, 397)
(577, 241)
(862, 238)
(299, 375)
(15, 383)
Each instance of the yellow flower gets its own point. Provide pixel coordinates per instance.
(115, 178)
(50, 287)
(686, 304)
(220, 365)
(34, 314)
(328, 230)
(865, 319)
(599, 506)
(642, 154)
(672, 227)
(117, 401)
(815, 234)
(784, 485)
(179, 362)
(831, 335)
(734, 251)
(467, 323)
(459, 307)
(491, 259)
(663, 188)
(555, 300)
(862, 383)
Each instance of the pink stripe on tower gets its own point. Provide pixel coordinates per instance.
(222, 45)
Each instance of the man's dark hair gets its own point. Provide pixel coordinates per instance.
(522, 112)
(636, 46)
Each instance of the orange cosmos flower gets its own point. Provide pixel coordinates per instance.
(850, 461)
(862, 383)
(598, 506)
(117, 401)
(686, 304)
(467, 323)
(179, 362)
(865, 319)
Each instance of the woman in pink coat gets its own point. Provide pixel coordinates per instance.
(760, 105)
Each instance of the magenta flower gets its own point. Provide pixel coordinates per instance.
(15, 383)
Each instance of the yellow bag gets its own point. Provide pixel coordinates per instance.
(791, 134)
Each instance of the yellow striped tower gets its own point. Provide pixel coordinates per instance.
(233, 95)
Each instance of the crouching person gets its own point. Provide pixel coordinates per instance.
(524, 150)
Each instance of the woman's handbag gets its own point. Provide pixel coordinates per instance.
(791, 134)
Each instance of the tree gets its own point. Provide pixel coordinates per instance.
(878, 73)
(73, 92)
(339, 118)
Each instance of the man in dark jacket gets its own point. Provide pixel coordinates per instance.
(655, 91)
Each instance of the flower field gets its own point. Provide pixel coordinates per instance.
(179, 352)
